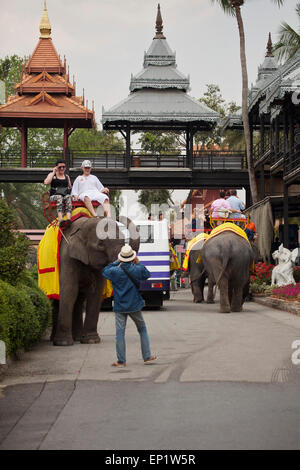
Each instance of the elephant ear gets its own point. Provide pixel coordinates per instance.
(77, 247)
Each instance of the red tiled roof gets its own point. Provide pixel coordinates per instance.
(45, 57)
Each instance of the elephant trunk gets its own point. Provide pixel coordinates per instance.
(134, 236)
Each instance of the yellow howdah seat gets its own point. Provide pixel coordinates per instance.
(190, 246)
(231, 227)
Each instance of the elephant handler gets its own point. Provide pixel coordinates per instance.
(88, 188)
(125, 274)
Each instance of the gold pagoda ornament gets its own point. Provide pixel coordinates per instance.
(45, 27)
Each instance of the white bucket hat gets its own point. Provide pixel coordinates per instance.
(126, 254)
(86, 163)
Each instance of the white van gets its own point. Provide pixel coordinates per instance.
(154, 254)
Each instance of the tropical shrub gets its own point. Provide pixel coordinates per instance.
(24, 308)
(24, 315)
(13, 246)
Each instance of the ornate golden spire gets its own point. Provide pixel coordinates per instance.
(45, 27)
(159, 25)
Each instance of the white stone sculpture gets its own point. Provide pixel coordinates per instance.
(282, 274)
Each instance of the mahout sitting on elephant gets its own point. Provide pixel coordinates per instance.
(227, 258)
(87, 246)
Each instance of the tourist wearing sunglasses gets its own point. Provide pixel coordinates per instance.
(60, 189)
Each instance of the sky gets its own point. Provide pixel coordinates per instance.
(104, 40)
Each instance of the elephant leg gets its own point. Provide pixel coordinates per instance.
(210, 294)
(224, 299)
(68, 296)
(55, 309)
(93, 306)
(237, 300)
(197, 291)
(77, 324)
(230, 292)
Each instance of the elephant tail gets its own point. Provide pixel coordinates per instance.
(224, 266)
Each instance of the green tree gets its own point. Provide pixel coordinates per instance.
(26, 202)
(157, 142)
(289, 39)
(158, 197)
(10, 71)
(90, 139)
(214, 100)
(233, 7)
(13, 246)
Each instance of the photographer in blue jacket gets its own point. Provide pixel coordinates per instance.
(125, 275)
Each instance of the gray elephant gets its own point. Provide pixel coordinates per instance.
(198, 276)
(83, 255)
(227, 259)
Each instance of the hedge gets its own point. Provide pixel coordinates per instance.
(24, 314)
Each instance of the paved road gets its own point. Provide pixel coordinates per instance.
(222, 381)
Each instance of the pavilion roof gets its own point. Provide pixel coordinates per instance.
(45, 97)
(152, 105)
(266, 72)
(158, 93)
(285, 82)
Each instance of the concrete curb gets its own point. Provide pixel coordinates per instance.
(17, 356)
(279, 304)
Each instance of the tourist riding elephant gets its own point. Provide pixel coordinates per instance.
(198, 276)
(227, 259)
(84, 251)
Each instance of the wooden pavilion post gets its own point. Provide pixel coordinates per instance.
(66, 138)
(24, 138)
(188, 146)
(127, 154)
(262, 134)
(285, 216)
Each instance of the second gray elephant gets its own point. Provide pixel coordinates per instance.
(227, 258)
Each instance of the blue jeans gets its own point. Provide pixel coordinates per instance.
(121, 320)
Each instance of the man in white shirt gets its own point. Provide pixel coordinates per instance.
(88, 188)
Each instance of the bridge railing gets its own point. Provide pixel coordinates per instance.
(98, 158)
(219, 160)
(37, 158)
(201, 159)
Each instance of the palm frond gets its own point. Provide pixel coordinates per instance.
(279, 2)
(289, 42)
(225, 5)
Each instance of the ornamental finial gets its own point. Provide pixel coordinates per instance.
(270, 47)
(159, 25)
(45, 27)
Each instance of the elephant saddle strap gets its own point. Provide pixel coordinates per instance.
(130, 277)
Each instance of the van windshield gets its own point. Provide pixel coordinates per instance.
(146, 233)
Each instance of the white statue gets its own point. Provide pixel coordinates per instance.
(282, 274)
